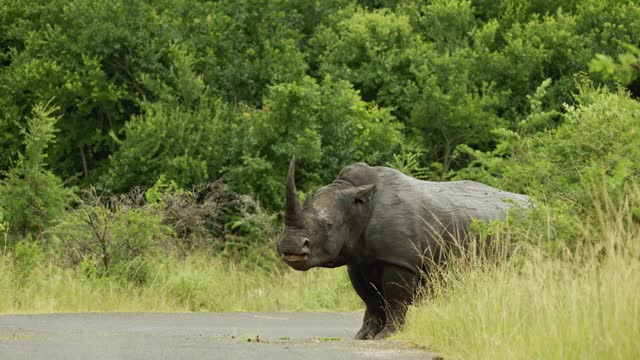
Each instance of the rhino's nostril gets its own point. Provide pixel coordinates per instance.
(306, 243)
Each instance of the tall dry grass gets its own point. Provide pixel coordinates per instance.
(582, 304)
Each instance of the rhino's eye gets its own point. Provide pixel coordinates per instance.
(329, 224)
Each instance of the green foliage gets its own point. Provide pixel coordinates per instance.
(377, 52)
(250, 239)
(261, 46)
(449, 113)
(595, 149)
(194, 89)
(4, 227)
(27, 257)
(517, 59)
(31, 195)
(445, 23)
(408, 164)
(87, 55)
(184, 137)
(488, 166)
(538, 118)
(161, 190)
(626, 70)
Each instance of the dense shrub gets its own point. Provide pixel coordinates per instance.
(31, 195)
(626, 69)
(4, 227)
(188, 136)
(598, 139)
(596, 149)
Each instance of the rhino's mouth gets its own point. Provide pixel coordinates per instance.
(299, 262)
(295, 258)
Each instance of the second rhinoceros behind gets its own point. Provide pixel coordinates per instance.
(382, 225)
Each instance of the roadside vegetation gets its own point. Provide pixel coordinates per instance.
(144, 147)
(197, 283)
(580, 304)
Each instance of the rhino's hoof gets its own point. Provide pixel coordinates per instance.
(365, 334)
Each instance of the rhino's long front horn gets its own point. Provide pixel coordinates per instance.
(292, 209)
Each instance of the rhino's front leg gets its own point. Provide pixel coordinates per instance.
(400, 286)
(372, 324)
(367, 283)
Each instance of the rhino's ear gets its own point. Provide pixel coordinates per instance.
(362, 194)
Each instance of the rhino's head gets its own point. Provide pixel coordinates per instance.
(323, 231)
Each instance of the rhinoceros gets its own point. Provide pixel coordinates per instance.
(383, 225)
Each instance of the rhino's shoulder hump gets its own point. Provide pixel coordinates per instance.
(358, 174)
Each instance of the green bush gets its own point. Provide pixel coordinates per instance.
(4, 227)
(377, 51)
(595, 149)
(27, 257)
(626, 70)
(191, 89)
(87, 55)
(251, 238)
(188, 137)
(31, 195)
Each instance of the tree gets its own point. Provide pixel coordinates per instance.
(31, 195)
(377, 52)
(188, 134)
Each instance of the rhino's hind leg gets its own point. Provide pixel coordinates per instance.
(400, 286)
(367, 283)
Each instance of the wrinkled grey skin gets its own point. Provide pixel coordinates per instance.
(387, 228)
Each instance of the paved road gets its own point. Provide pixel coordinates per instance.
(263, 336)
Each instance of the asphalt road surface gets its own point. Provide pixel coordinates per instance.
(263, 336)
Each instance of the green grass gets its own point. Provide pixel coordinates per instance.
(197, 283)
(582, 305)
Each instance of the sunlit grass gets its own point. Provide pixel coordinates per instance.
(197, 283)
(548, 309)
(583, 305)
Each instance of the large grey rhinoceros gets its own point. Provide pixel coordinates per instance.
(383, 225)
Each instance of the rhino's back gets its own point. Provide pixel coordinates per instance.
(443, 199)
(462, 198)
(476, 200)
